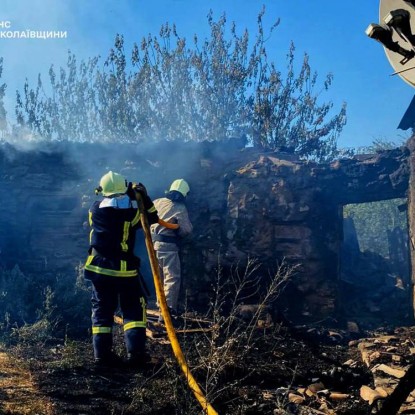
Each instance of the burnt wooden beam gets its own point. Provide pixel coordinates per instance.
(405, 386)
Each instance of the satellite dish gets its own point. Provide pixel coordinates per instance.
(397, 20)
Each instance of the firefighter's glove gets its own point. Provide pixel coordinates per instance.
(141, 189)
(134, 188)
(130, 191)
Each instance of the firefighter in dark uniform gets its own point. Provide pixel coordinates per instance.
(114, 270)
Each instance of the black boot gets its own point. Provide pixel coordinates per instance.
(138, 360)
(109, 360)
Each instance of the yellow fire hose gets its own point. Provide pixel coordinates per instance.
(207, 407)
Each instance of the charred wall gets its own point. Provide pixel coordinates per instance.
(295, 213)
(243, 203)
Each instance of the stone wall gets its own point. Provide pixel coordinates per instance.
(294, 211)
(243, 203)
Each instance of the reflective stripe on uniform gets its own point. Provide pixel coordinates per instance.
(138, 324)
(144, 307)
(152, 209)
(101, 330)
(125, 235)
(111, 272)
(136, 218)
(134, 324)
(90, 224)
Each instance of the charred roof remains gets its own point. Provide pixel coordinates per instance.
(244, 204)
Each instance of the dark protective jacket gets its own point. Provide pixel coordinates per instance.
(112, 239)
(114, 222)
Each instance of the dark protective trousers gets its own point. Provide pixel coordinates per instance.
(107, 294)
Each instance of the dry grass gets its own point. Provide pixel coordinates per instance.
(223, 354)
(18, 393)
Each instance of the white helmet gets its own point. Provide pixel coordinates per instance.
(181, 186)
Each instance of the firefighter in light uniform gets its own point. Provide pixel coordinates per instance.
(114, 270)
(166, 241)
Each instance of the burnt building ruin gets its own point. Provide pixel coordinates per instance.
(244, 203)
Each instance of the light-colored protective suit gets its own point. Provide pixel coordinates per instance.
(168, 252)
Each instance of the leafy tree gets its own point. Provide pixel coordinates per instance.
(287, 113)
(222, 87)
(70, 113)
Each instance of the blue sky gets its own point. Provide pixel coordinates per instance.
(332, 32)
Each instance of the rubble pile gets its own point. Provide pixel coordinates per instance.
(388, 357)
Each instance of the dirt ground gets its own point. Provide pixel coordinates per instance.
(301, 370)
